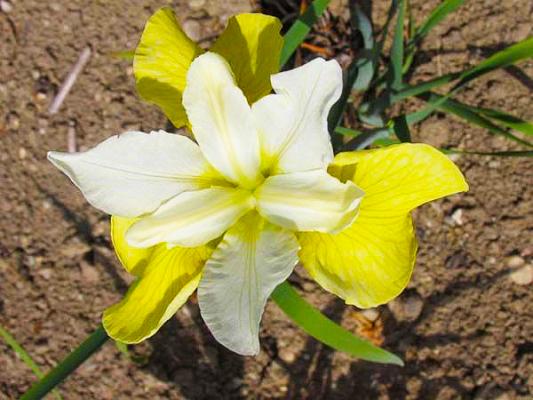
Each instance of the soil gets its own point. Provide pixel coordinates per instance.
(463, 326)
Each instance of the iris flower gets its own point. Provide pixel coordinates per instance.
(259, 189)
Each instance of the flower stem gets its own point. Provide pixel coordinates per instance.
(68, 365)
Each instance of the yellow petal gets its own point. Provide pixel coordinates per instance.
(161, 62)
(371, 262)
(367, 264)
(252, 45)
(399, 178)
(133, 259)
(169, 278)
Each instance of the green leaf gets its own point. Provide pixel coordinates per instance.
(299, 30)
(524, 153)
(24, 356)
(508, 120)
(423, 87)
(366, 62)
(437, 15)
(465, 112)
(511, 55)
(401, 128)
(325, 330)
(397, 48)
(504, 58)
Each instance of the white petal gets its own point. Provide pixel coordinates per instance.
(309, 201)
(134, 173)
(292, 123)
(222, 120)
(192, 218)
(253, 258)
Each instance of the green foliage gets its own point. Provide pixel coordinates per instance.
(299, 30)
(24, 356)
(384, 84)
(325, 330)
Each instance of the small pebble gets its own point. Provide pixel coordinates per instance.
(523, 276)
(6, 6)
(407, 307)
(371, 314)
(22, 153)
(193, 29)
(457, 217)
(515, 262)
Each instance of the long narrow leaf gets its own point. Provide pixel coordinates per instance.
(24, 356)
(463, 111)
(299, 30)
(397, 48)
(504, 58)
(367, 60)
(325, 330)
(437, 15)
(401, 128)
(508, 120)
(513, 54)
(521, 153)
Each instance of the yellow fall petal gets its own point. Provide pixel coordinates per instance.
(169, 278)
(399, 178)
(370, 262)
(252, 45)
(160, 64)
(133, 259)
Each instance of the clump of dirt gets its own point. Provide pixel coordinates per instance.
(463, 326)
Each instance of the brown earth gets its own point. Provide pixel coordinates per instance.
(463, 327)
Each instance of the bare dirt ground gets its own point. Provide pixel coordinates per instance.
(463, 327)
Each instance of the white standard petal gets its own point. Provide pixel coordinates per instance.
(309, 201)
(222, 120)
(243, 271)
(292, 123)
(134, 173)
(192, 218)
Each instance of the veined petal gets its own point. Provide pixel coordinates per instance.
(252, 259)
(308, 201)
(168, 280)
(401, 177)
(134, 173)
(295, 118)
(252, 45)
(370, 262)
(222, 120)
(367, 264)
(133, 259)
(192, 218)
(161, 62)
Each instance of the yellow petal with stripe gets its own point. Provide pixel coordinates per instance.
(252, 45)
(371, 262)
(169, 278)
(160, 64)
(133, 259)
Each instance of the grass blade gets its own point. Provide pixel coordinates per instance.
(504, 58)
(507, 120)
(366, 63)
(463, 111)
(24, 356)
(325, 330)
(522, 153)
(401, 128)
(301, 27)
(437, 15)
(397, 48)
